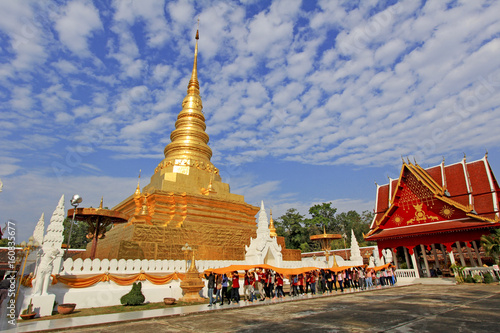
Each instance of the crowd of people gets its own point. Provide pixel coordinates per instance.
(261, 284)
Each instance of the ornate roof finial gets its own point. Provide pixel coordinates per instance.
(415, 160)
(138, 189)
(376, 181)
(486, 154)
(402, 159)
(189, 139)
(408, 159)
(443, 159)
(100, 205)
(272, 229)
(465, 157)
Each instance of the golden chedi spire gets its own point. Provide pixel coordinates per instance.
(272, 229)
(137, 192)
(189, 139)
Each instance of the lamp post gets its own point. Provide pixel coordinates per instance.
(75, 201)
(27, 247)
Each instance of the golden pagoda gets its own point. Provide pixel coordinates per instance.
(185, 202)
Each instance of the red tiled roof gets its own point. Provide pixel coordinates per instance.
(421, 229)
(470, 185)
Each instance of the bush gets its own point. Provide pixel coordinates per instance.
(469, 279)
(477, 278)
(404, 266)
(134, 297)
(488, 278)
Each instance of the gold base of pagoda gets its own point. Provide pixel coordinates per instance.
(191, 286)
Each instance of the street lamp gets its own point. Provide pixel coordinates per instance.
(27, 247)
(74, 202)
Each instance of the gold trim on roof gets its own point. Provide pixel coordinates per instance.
(424, 178)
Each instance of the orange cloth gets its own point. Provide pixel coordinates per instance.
(84, 281)
(284, 271)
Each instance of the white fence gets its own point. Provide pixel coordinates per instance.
(405, 274)
(481, 271)
(122, 266)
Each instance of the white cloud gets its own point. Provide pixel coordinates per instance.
(76, 24)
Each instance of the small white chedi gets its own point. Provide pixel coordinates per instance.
(263, 249)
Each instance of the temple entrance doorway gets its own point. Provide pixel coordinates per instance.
(269, 259)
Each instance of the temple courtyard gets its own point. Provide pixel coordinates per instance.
(412, 308)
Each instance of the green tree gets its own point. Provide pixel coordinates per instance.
(491, 244)
(323, 217)
(291, 227)
(79, 238)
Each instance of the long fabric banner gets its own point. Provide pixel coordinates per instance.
(84, 281)
(287, 271)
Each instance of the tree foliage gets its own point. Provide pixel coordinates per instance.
(79, 232)
(491, 245)
(297, 229)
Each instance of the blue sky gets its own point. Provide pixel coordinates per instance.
(305, 101)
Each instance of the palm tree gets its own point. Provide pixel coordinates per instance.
(491, 244)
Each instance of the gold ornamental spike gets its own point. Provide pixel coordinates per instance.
(272, 229)
(100, 205)
(138, 189)
(189, 139)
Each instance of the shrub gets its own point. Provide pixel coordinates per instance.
(134, 297)
(469, 279)
(488, 278)
(478, 278)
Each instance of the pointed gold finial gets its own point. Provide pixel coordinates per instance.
(486, 154)
(335, 264)
(189, 139)
(272, 229)
(100, 205)
(465, 156)
(138, 189)
(443, 159)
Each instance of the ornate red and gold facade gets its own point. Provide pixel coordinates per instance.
(442, 207)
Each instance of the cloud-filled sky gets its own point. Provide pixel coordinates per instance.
(305, 101)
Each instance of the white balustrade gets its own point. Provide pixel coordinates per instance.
(405, 273)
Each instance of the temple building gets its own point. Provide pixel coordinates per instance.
(185, 202)
(435, 217)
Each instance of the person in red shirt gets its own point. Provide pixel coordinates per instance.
(301, 284)
(260, 281)
(279, 285)
(251, 286)
(235, 291)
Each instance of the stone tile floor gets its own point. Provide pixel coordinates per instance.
(414, 308)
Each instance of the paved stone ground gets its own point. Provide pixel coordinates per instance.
(417, 308)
